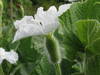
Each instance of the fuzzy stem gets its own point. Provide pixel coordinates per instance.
(1, 9)
(1, 70)
(57, 66)
(52, 49)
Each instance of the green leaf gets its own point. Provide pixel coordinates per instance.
(44, 68)
(93, 65)
(1, 70)
(15, 70)
(29, 58)
(66, 67)
(89, 33)
(77, 11)
(78, 74)
(26, 47)
(27, 63)
(76, 66)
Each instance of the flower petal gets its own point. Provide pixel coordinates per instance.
(29, 30)
(46, 17)
(50, 27)
(63, 8)
(11, 56)
(1, 60)
(2, 52)
(25, 20)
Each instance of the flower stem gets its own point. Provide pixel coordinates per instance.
(57, 66)
(22, 9)
(1, 9)
(1, 70)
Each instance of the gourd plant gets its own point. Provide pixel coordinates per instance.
(81, 36)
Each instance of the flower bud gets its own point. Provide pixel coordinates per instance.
(52, 49)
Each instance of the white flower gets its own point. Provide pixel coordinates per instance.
(44, 22)
(11, 56)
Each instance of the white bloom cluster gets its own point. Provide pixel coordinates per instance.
(44, 22)
(11, 56)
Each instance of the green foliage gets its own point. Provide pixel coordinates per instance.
(95, 68)
(47, 3)
(16, 11)
(79, 39)
(78, 11)
(81, 34)
(44, 68)
(88, 32)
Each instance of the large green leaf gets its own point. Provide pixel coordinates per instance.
(89, 33)
(28, 63)
(47, 68)
(78, 11)
(93, 65)
(29, 57)
(44, 68)
(66, 67)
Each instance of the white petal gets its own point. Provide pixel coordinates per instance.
(50, 27)
(24, 21)
(46, 17)
(27, 26)
(1, 60)
(29, 30)
(2, 53)
(40, 10)
(52, 9)
(12, 56)
(63, 8)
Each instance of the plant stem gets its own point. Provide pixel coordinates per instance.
(11, 10)
(1, 70)
(57, 66)
(22, 10)
(1, 9)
